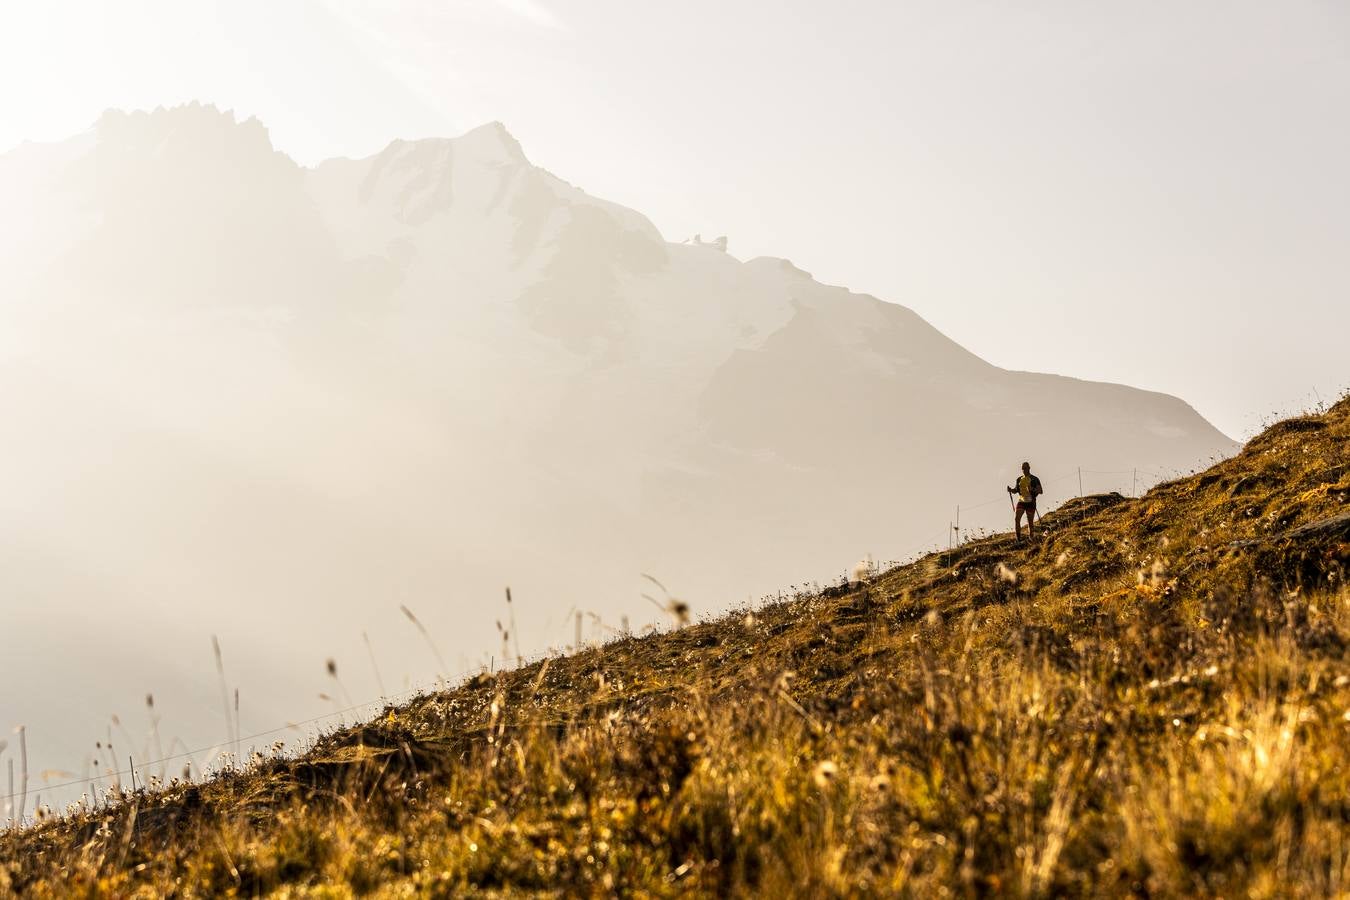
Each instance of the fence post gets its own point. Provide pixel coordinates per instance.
(1080, 481)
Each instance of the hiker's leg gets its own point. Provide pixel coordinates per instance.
(1031, 523)
(1017, 523)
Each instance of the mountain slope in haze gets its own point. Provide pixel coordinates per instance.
(1149, 700)
(560, 338)
(238, 390)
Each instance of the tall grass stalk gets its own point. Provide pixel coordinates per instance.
(426, 635)
(511, 621)
(230, 731)
(375, 666)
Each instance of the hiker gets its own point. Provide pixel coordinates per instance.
(1028, 489)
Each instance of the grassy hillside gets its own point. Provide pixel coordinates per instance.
(1153, 699)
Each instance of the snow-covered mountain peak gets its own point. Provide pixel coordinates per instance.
(490, 144)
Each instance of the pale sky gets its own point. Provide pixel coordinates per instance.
(1154, 193)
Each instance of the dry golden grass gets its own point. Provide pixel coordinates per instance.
(1151, 700)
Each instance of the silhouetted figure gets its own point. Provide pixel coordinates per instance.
(1028, 489)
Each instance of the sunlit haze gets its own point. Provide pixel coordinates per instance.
(1149, 193)
(322, 323)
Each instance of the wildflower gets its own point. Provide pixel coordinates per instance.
(1005, 574)
(825, 772)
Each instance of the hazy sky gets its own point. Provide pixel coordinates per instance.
(1146, 192)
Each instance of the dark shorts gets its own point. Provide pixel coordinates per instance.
(1026, 506)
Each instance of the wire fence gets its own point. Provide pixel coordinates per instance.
(220, 750)
(953, 535)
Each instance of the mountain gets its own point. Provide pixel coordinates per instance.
(1150, 699)
(247, 398)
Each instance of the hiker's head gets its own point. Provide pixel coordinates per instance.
(1026, 468)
